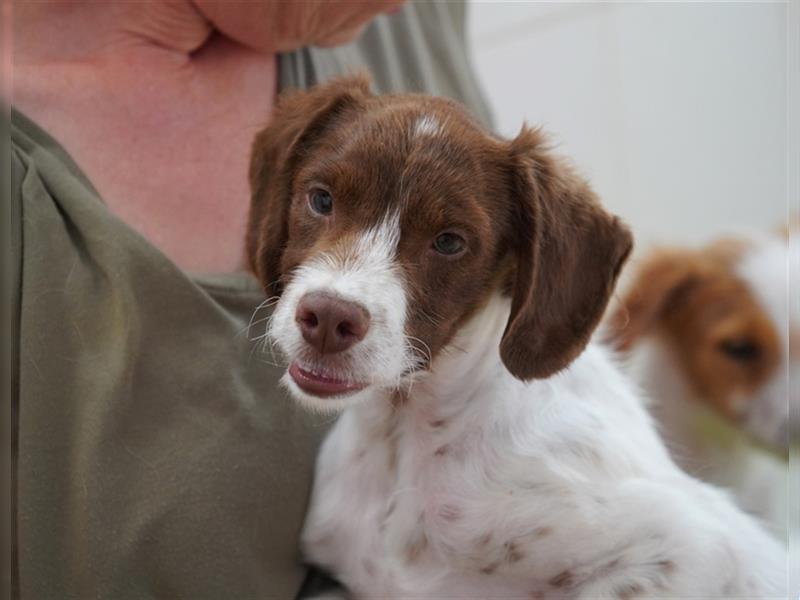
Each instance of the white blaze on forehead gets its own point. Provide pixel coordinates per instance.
(361, 269)
(426, 125)
(378, 244)
(372, 251)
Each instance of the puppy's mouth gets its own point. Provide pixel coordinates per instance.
(322, 385)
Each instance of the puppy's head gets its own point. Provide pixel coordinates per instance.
(385, 222)
(722, 311)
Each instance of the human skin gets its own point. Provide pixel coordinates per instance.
(159, 101)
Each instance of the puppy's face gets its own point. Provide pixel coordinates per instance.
(723, 311)
(397, 230)
(384, 223)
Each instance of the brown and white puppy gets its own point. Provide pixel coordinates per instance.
(711, 333)
(471, 220)
(443, 284)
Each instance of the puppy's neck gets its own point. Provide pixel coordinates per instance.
(462, 380)
(471, 359)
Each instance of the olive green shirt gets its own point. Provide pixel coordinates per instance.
(155, 455)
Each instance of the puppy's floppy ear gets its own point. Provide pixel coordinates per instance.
(298, 120)
(660, 282)
(569, 253)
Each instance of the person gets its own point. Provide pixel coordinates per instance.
(154, 455)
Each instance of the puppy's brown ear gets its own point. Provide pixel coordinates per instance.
(569, 253)
(660, 282)
(298, 120)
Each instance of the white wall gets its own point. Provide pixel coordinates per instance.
(677, 112)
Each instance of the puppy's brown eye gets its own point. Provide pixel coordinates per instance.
(449, 244)
(320, 201)
(739, 350)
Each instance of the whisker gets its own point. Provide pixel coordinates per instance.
(253, 349)
(271, 364)
(267, 342)
(432, 320)
(272, 343)
(266, 303)
(425, 350)
(258, 337)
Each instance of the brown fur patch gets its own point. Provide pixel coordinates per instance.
(628, 591)
(570, 252)
(416, 547)
(490, 568)
(390, 508)
(512, 553)
(399, 398)
(667, 566)
(564, 579)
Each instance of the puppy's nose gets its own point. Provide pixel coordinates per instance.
(331, 324)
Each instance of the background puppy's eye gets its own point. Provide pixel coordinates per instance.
(740, 350)
(320, 201)
(449, 244)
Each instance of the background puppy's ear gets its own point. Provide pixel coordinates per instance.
(659, 284)
(569, 254)
(298, 120)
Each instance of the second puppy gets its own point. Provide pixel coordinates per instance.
(708, 334)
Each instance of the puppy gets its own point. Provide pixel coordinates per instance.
(708, 331)
(441, 285)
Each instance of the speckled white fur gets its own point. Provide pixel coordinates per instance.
(476, 485)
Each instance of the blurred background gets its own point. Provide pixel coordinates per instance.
(677, 112)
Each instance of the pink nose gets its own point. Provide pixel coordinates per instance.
(331, 324)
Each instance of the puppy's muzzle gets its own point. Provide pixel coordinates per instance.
(329, 323)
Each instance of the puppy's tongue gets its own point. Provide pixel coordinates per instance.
(321, 385)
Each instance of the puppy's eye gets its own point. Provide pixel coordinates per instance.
(739, 349)
(449, 244)
(320, 201)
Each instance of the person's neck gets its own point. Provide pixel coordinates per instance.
(161, 124)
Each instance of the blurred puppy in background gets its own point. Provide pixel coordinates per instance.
(712, 338)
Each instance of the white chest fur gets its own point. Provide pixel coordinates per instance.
(480, 485)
